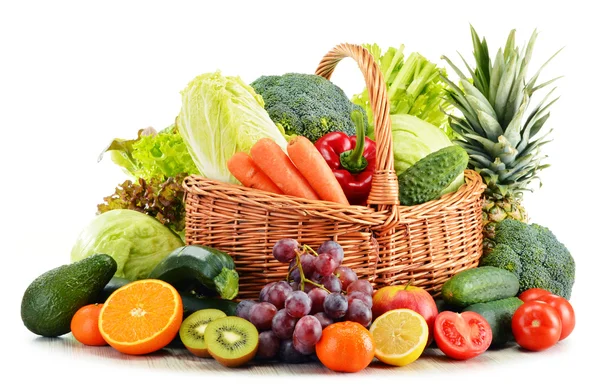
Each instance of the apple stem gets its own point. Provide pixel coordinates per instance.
(412, 281)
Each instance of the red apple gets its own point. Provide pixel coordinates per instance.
(406, 296)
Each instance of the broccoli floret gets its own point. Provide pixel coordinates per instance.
(307, 105)
(535, 255)
(505, 258)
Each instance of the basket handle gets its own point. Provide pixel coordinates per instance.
(384, 188)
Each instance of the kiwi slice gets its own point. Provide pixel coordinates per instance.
(193, 328)
(232, 341)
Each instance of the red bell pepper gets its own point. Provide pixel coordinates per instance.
(352, 160)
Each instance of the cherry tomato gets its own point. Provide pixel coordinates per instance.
(462, 336)
(565, 311)
(536, 325)
(84, 325)
(533, 294)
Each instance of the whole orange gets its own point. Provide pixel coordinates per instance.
(84, 325)
(346, 347)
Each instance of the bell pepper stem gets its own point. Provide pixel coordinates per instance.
(353, 160)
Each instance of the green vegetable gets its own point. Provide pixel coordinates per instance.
(414, 139)
(153, 155)
(52, 299)
(190, 302)
(136, 241)
(534, 255)
(221, 115)
(414, 87)
(479, 285)
(194, 268)
(427, 178)
(162, 200)
(307, 105)
(498, 314)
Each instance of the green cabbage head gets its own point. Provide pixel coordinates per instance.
(135, 240)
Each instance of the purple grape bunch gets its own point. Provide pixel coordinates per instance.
(317, 292)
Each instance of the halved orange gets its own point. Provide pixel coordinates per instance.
(141, 317)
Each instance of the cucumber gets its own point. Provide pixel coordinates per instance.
(499, 315)
(199, 270)
(190, 302)
(427, 178)
(479, 285)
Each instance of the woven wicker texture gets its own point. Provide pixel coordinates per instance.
(385, 243)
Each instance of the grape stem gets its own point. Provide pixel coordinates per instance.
(303, 278)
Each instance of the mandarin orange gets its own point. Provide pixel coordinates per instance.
(346, 347)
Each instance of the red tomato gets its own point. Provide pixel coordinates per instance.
(565, 311)
(462, 336)
(536, 325)
(84, 325)
(533, 294)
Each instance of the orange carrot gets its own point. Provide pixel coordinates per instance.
(242, 167)
(314, 168)
(273, 161)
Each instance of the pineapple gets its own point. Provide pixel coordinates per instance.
(498, 128)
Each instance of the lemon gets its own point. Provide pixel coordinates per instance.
(400, 336)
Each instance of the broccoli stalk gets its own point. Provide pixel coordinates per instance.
(307, 105)
(534, 255)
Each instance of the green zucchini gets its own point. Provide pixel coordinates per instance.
(479, 285)
(498, 314)
(199, 270)
(427, 178)
(190, 302)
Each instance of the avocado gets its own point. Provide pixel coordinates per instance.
(52, 299)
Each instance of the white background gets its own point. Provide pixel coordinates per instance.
(73, 76)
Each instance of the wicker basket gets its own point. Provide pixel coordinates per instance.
(385, 243)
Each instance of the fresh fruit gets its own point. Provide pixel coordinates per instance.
(278, 294)
(358, 295)
(261, 315)
(533, 294)
(268, 345)
(284, 250)
(428, 177)
(359, 312)
(306, 334)
(536, 325)
(400, 336)
(479, 285)
(406, 296)
(199, 269)
(243, 308)
(231, 340)
(193, 328)
(335, 305)
(317, 297)
(294, 312)
(462, 336)
(498, 314)
(283, 324)
(51, 300)
(565, 310)
(499, 130)
(289, 354)
(141, 317)
(84, 325)
(346, 275)
(360, 286)
(332, 248)
(346, 347)
(191, 303)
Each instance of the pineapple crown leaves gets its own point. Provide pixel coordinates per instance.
(498, 128)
